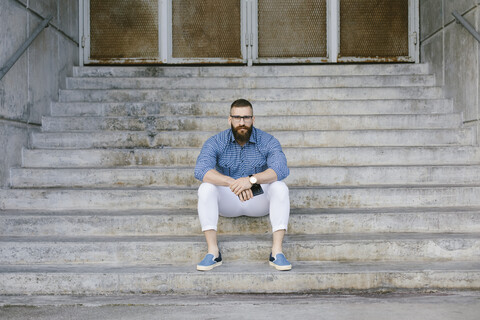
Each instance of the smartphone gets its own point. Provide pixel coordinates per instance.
(257, 189)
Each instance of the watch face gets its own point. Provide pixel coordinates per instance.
(253, 180)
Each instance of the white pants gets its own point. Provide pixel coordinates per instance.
(215, 200)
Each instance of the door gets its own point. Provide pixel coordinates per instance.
(205, 31)
(161, 31)
(290, 31)
(376, 30)
(121, 31)
(248, 31)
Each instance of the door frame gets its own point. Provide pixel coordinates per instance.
(331, 41)
(84, 36)
(166, 38)
(413, 38)
(249, 39)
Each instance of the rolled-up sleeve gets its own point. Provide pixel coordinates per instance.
(276, 159)
(207, 159)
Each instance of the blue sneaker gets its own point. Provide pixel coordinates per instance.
(209, 262)
(280, 262)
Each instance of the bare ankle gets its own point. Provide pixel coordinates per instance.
(214, 251)
(276, 251)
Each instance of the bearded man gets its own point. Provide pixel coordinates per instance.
(241, 171)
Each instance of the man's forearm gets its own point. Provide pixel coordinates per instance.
(218, 179)
(267, 176)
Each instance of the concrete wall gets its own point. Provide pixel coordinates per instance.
(453, 53)
(33, 82)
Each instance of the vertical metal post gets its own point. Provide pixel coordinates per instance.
(249, 37)
(164, 30)
(414, 30)
(81, 36)
(86, 32)
(333, 25)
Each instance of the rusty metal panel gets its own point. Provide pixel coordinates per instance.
(206, 29)
(373, 28)
(123, 29)
(292, 28)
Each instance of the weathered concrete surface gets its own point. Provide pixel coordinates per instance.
(263, 71)
(28, 88)
(288, 139)
(13, 135)
(432, 51)
(151, 95)
(159, 124)
(164, 250)
(172, 223)
(253, 82)
(262, 108)
(186, 198)
(138, 177)
(181, 157)
(239, 277)
(14, 86)
(371, 254)
(299, 176)
(461, 67)
(453, 53)
(400, 306)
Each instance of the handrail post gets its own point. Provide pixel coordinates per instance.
(466, 24)
(24, 46)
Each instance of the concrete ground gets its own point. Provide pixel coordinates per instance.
(411, 306)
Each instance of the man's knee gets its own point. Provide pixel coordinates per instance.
(207, 191)
(279, 189)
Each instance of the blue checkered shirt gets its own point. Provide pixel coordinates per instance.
(223, 153)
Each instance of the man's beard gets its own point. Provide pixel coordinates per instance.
(242, 138)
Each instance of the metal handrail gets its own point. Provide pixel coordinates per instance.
(24, 46)
(466, 24)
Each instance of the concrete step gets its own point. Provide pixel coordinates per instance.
(99, 223)
(267, 123)
(299, 176)
(398, 303)
(261, 108)
(178, 157)
(224, 82)
(242, 71)
(186, 198)
(161, 139)
(235, 277)
(183, 250)
(225, 95)
(403, 214)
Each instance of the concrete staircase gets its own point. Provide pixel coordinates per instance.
(385, 184)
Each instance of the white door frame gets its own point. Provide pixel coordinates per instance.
(249, 38)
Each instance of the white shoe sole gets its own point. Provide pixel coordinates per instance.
(280, 268)
(208, 268)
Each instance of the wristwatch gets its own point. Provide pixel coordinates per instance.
(252, 179)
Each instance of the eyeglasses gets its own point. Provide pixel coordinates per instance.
(239, 118)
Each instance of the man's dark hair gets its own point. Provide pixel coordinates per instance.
(241, 103)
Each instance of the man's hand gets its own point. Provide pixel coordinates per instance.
(241, 188)
(246, 195)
